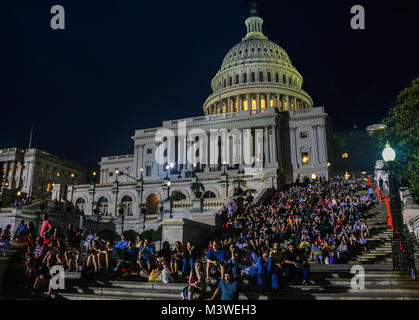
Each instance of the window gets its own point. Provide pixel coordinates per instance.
(305, 158)
(110, 174)
(269, 77)
(237, 78)
(284, 79)
(230, 81)
(345, 155)
(127, 203)
(148, 171)
(245, 78)
(209, 194)
(224, 83)
(149, 151)
(102, 205)
(277, 77)
(245, 105)
(80, 203)
(261, 76)
(303, 135)
(253, 77)
(42, 170)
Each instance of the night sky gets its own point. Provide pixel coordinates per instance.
(126, 65)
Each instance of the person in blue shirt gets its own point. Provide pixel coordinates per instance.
(146, 256)
(121, 246)
(264, 263)
(215, 258)
(228, 287)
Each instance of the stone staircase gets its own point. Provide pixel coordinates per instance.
(379, 241)
(328, 282)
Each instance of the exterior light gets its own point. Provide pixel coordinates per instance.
(167, 167)
(346, 175)
(117, 171)
(388, 153)
(19, 193)
(172, 165)
(72, 175)
(6, 183)
(168, 183)
(328, 164)
(94, 173)
(195, 165)
(224, 162)
(313, 176)
(141, 169)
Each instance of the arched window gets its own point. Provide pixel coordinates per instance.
(177, 195)
(209, 195)
(80, 204)
(254, 106)
(127, 202)
(245, 105)
(103, 205)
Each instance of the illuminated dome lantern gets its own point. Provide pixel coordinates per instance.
(388, 153)
(256, 74)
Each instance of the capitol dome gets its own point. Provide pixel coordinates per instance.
(256, 74)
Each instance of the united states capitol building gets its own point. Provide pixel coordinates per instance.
(259, 126)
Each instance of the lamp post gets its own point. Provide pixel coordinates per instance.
(116, 189)
(402, 248)
(93, 190)
(72, 175)
(313, 177)
(168, 184)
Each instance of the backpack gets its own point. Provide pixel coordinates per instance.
(155, 276)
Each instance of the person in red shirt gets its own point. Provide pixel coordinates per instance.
(46, 225)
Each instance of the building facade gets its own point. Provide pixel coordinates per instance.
(34, 172)
(259, 126)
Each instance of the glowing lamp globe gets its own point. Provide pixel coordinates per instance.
(313, 176)
(388, 153)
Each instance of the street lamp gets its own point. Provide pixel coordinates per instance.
(168, 184)
(93, 190)
(116, 189)
(72, 175)
(313, 177)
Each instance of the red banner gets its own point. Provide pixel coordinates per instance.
(389, 221)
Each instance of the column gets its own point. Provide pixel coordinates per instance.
(314, 144)
(288, 103)
(266, 146)
(268, 102)
(249, 105)
(278, 99)
(240, 103)
(274, 153)
(258, 101)
(322, 144)
(228, 109)
(294, 156)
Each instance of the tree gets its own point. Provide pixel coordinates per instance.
(402, 133)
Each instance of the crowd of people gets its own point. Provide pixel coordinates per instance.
(268, 245)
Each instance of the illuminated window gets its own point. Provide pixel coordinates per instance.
(48, 187)
(245, 106)
(262, 104)
(58, 174)
(305, 158)
(271, 103)
(224, 108)
(50, 171)
(345, 155)
(254, 106)
(42, 170)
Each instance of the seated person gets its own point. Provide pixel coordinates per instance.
(228, 287)
(296, 264)
(177, 257)
(121, 246)
(164, 255)
(93, 256)
(109, 254)
(146, 257)
(215, 258)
